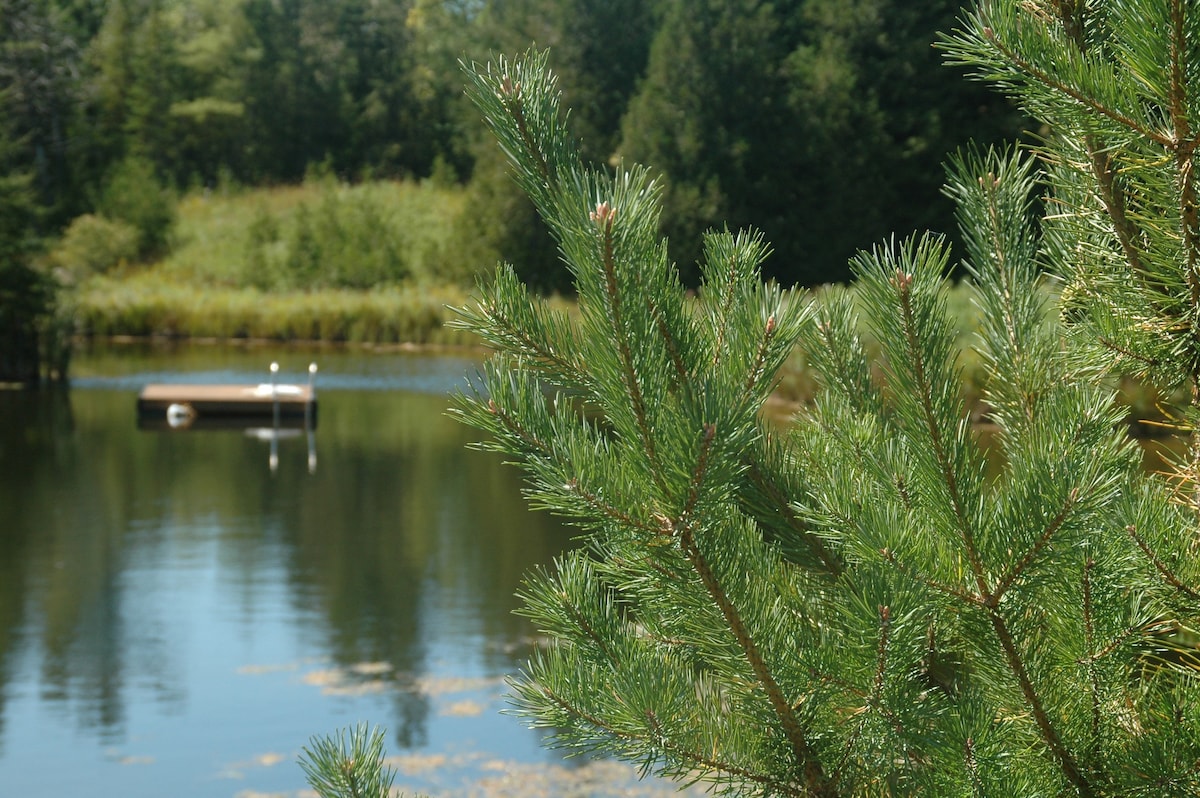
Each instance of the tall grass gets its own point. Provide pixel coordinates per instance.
(151, 306)
(372, 263)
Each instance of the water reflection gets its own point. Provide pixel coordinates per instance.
(134, 565)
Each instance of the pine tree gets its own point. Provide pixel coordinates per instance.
(872, 602)
(28, 296)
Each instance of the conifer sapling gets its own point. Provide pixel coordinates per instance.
(871, 600)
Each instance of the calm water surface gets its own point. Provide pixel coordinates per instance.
(177, 619)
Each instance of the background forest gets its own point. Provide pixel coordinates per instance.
(822, 122)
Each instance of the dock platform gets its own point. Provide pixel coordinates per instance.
(242, 401)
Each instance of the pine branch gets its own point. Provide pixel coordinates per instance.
(756, 370)
(1085, 100)
(349, 764)
(1089, 631)
(499, 326)
(662, 741)
(969, 599)
(674, 351)
(603, 509)
(1126, 352)
(687, 755)
(815, 779)
(530, 442)
(604, 217)
(1161, 566)
(770, 489)
(993, 599)
(1184, 147)
(999, 251)
(839, 356)
(903, 282)
(533, 447)
(1112, 194)
(706, 600)
(724, 310)
(1124, 637)
(1189, 212)
(510, 96)
(1049, 733)
(874, 698)
(973, 768)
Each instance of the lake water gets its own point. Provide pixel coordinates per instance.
(178, 619)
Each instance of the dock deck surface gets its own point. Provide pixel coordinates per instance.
(238, 400)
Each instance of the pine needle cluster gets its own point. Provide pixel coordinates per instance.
(874, 600)
(348, 764)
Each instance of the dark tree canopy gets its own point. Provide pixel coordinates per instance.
(824, 122)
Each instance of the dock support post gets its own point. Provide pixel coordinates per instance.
(308, 418)
(273, 462)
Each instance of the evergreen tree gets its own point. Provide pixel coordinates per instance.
(27, 295)
(580, 35)
(868, 603)
(295, 89)
(216, 49)
(39, 63)
(824, 122)
(709, 115)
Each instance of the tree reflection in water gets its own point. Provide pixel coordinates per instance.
(123, 552)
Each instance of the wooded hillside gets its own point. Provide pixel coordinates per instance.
(824, 122)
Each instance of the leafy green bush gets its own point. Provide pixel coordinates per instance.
(353, 237)
(94, 245)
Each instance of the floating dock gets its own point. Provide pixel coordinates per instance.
(228, 400)
(181, 405)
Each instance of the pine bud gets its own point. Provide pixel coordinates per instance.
(508, 88)
(603, 215)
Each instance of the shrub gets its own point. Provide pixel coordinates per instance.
(94, 245)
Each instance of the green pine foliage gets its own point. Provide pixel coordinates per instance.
(872, 601)
(1119, 84)
(33, 330)
(133, 195)
(348, 764)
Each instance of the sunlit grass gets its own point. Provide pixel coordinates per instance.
(226, 278)
(149, 305)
